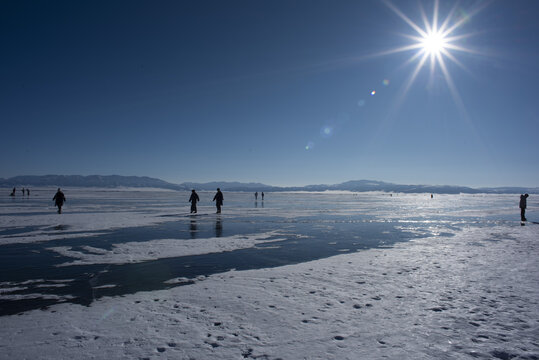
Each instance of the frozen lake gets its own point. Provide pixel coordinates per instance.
(131, 274)
(118, 242)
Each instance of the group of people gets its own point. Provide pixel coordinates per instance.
(218, 198)
(27, 191)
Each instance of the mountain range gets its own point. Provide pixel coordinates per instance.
(111, 181)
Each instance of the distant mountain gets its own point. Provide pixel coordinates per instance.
(144, 181)
(89, 181)
(230, 186)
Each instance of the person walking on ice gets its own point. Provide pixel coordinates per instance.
(59, 200)
(218, 198)
(193, 200)
(523, 207)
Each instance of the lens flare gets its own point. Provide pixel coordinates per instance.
(326, 131)
(385, 82)
(373, 92)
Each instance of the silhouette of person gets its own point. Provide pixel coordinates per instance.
(256, 195)
(193, 200)
(59, 200)
(22, 191)
(262, 196)
(27, 192)
(218, 198)
(431, 196)
(13, 192)
(523, 207)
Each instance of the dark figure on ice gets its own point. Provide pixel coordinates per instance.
(218, 198)
(59, 200)
(523, 207)
(27, 192)
(256, 195)
(193, 200)
(262, 196)
(22, 191)
(13, 192)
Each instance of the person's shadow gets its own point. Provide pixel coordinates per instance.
(193, 228)
(218, 227)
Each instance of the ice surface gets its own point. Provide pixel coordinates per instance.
(473, 295)
(468, 289)
(132, 252)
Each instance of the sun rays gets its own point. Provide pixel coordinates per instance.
(435, 44)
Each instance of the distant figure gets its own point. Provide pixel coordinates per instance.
(218, 198)
(22, 191)
(262, 196)
(193, 200)
(27, 192)
(523, 207)
(431, 196)
(256, 195)
(59, 200)
(13, 192)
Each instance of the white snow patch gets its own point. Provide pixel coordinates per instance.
(132, 252)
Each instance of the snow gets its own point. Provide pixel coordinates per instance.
(462, 292)
(132, 252)
(472, 295)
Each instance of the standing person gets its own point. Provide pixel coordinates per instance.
(256, 195)
(13, 192)
(218, 198)
(193, 200)
(59, 200)
(22, 191)
(262, 196)
(27, 192)
(523, 207)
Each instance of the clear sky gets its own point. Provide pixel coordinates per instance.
(272, 91)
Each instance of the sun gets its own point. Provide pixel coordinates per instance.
(434, 43)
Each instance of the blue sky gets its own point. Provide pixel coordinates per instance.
(276, 91)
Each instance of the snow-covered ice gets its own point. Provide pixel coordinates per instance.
(163, 248)
(464, 286)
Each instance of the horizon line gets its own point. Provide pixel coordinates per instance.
(283, 186)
